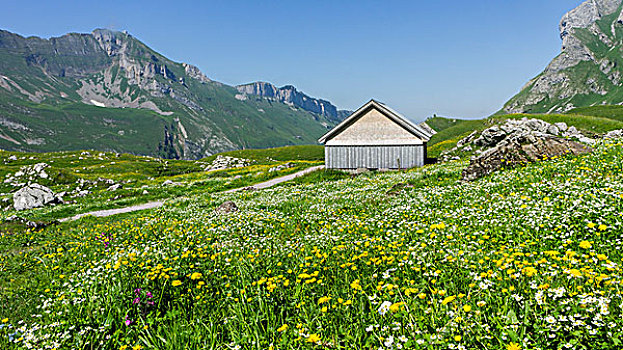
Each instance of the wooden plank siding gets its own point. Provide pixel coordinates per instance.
(375, 157)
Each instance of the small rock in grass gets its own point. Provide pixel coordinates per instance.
(227, 207)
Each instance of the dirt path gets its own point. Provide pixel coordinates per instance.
(158, 204)
(277, 180)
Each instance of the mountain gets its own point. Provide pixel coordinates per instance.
(106, 90)
(589, 69)
(291, 96)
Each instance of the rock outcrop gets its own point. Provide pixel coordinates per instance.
(513, 129)
(586, 72)
(34, 196)
(518, 151)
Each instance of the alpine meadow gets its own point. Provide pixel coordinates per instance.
(147, 206)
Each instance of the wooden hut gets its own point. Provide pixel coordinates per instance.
(375, 137)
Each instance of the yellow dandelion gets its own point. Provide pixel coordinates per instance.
(513, 346)
(313, 338)
(585, 245)
(282, 328)
(176, 283)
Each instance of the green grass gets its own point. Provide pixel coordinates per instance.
(525, 257)
(610, 112)
(441, 123)
(141, 178)
(308, 153)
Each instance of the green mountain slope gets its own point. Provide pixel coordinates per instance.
(589, 69)
(109, 91)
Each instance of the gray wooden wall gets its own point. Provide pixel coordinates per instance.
(374, 157)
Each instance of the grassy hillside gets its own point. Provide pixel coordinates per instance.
(522, 259)
(154, 106)
(442, 123)
(610, 112)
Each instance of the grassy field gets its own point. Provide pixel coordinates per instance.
(528, 258)
(141, 179)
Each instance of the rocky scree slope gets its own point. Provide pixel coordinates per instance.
(52, 92)
(588, 71)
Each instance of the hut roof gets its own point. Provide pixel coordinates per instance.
(386, 111)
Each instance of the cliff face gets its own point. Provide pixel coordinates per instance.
(290, 95)
(589, 68)
(184, 113)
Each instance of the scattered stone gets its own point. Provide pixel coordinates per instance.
(281, 167)
(614, 134)
(114, 187)
(13, 158)
(397, 188)
(33, 196)
(226, 162)
(227, 207)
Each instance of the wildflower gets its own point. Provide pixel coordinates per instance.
(282, 328)
(585, 245)
(591, 225)
(176, 283)
(467, 308)
(529, 271)
(355, 285)
(323, 300)
(421, 296)
(123, 347)
(195, 276)
(136, 300)
(396, 307)
(313, 338)
(5, 320)
(602, 227)
(448, 300)
(513, 346)
(481, 303)
(384, 307)
(137, 347)
(457, 338)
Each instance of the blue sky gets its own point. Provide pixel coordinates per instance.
(451, 57)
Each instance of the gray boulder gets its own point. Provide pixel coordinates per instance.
(518, 151)
(33, 196)
(614, 134)
(227, 207)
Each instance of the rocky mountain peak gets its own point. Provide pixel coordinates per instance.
(586, 14)
(587, 71)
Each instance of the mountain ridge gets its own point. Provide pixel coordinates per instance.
(71, 77)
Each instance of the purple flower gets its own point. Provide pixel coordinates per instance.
(137, 300)
(150, 303)
(137, 290)
(149, 295)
